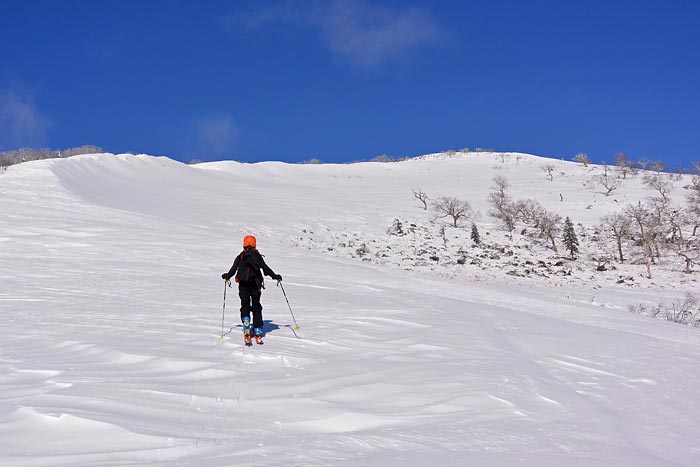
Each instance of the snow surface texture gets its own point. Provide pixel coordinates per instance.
(111, 307)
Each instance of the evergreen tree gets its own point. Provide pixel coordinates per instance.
(570, 238)
(475, 235)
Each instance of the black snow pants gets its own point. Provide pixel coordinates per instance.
(249, 292)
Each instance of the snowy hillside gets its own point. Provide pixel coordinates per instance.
(111, 309)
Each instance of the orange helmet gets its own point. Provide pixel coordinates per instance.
(249, 240)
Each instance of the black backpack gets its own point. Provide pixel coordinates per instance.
(247, 270)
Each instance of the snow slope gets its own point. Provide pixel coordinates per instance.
(111, 311)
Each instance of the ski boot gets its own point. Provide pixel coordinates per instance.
(246, 331)
(258, 336)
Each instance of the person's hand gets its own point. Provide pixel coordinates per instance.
(226, 276)
(278, 278)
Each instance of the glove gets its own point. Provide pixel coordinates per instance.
(226, 276)
(278, 278)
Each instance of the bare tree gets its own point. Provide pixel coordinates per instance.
(453, 208)
(620, 226)
(549, 169)
(690, 252)
(648, 232)
(680, 171)
(659, 166)
(661, 221)
(696, 167)
(534, 214)
(693, 203)
(609, 181)
(643, 163)
(4, 163)
(660, 183)
(549, 224)
(676, 219)
(422, 197)
(623, 164)
(499, 199)
(529, 211)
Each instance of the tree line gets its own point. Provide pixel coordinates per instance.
(17, 156)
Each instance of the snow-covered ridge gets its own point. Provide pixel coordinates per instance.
(111, 309)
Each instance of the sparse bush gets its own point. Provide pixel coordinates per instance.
(85, 149)
(685, 312)
(382, 158)
(396, 228)
(362, 250)
(582, 158)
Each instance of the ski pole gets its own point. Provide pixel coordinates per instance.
(296, 326)
(223, 310)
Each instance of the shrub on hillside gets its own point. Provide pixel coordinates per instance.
(582, 158)
(685, 312)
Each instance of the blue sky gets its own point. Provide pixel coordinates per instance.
(350, 80)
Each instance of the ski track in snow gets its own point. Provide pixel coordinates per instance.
(111, 306)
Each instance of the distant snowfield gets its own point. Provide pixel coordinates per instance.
(111, 311)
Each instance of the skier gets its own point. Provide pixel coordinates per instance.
(250, 284)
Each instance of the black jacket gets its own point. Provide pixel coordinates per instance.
(248, 265)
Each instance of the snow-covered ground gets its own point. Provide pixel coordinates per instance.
(111, 312)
